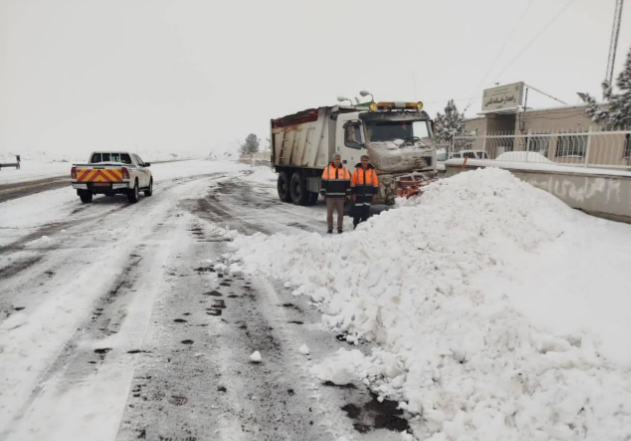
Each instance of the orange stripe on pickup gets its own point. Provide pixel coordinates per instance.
(92, 175)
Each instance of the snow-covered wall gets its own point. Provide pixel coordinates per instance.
(595, 193)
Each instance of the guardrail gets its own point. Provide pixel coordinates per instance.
(602, 149)
(15, 164)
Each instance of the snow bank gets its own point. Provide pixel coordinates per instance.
(524, 157)
(434, 285)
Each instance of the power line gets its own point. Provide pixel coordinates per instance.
(500, 53)
(537, 36)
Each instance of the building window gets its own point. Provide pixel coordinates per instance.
(627, 146)
(571, 145)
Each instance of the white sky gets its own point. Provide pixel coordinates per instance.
(78, 75)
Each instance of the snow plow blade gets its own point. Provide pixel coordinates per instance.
(413, 184)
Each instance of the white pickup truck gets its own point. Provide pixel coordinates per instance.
(112, 173)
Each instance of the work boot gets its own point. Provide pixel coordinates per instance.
(329, 231)
(340, 231)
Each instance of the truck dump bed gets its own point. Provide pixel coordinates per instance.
(304, 139)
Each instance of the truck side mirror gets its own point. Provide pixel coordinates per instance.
(147, 164)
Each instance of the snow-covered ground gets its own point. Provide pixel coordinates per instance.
(53, 206)
(498, 313)
(486, 308)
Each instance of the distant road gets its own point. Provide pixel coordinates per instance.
(26, 188)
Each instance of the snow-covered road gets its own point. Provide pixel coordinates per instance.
(120, 321)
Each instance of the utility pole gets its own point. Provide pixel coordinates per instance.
(615, 33)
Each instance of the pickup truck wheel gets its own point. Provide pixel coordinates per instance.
(86, 197)
(298, 189)
(133, 194)
(283, 187)
(149, 190)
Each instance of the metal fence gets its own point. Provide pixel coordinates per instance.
(602, 149)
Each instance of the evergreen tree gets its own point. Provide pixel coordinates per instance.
(448, 125)
(615, 112)
(251, 144)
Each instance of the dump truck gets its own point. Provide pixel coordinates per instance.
(397, 137)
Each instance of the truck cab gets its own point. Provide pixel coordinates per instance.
(356, 130)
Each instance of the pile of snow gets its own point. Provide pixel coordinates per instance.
(524, 157)
(342, 368)
(438, 285)
(256, 357)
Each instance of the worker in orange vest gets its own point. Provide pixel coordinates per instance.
(336, 187)
(364, 188)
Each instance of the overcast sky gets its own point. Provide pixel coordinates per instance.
(79, 75)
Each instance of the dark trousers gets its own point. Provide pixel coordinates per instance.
(361, 213)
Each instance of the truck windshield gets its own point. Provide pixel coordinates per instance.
(390, 130)
(111, 157)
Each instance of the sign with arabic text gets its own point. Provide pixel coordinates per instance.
(509, 97)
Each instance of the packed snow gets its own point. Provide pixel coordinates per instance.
(524, 157)
(256, 357)
(496, 312)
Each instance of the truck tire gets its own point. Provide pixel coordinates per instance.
(149, 190)
(283, 187)
(86, 197)
(133, 194)
(298, 189)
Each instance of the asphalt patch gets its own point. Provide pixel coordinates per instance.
(213, 293)
(340, 386)
(375, 415)
(205, 269)
(178, 400)
(291, 305)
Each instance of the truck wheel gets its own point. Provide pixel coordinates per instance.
(86, 197)
(298, 189)
(283, 187)
(133, 194)
(149, 190)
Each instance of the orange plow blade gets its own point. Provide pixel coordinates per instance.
(412, 185)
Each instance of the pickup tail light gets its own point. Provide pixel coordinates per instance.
(125, 173)
(73, 173)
